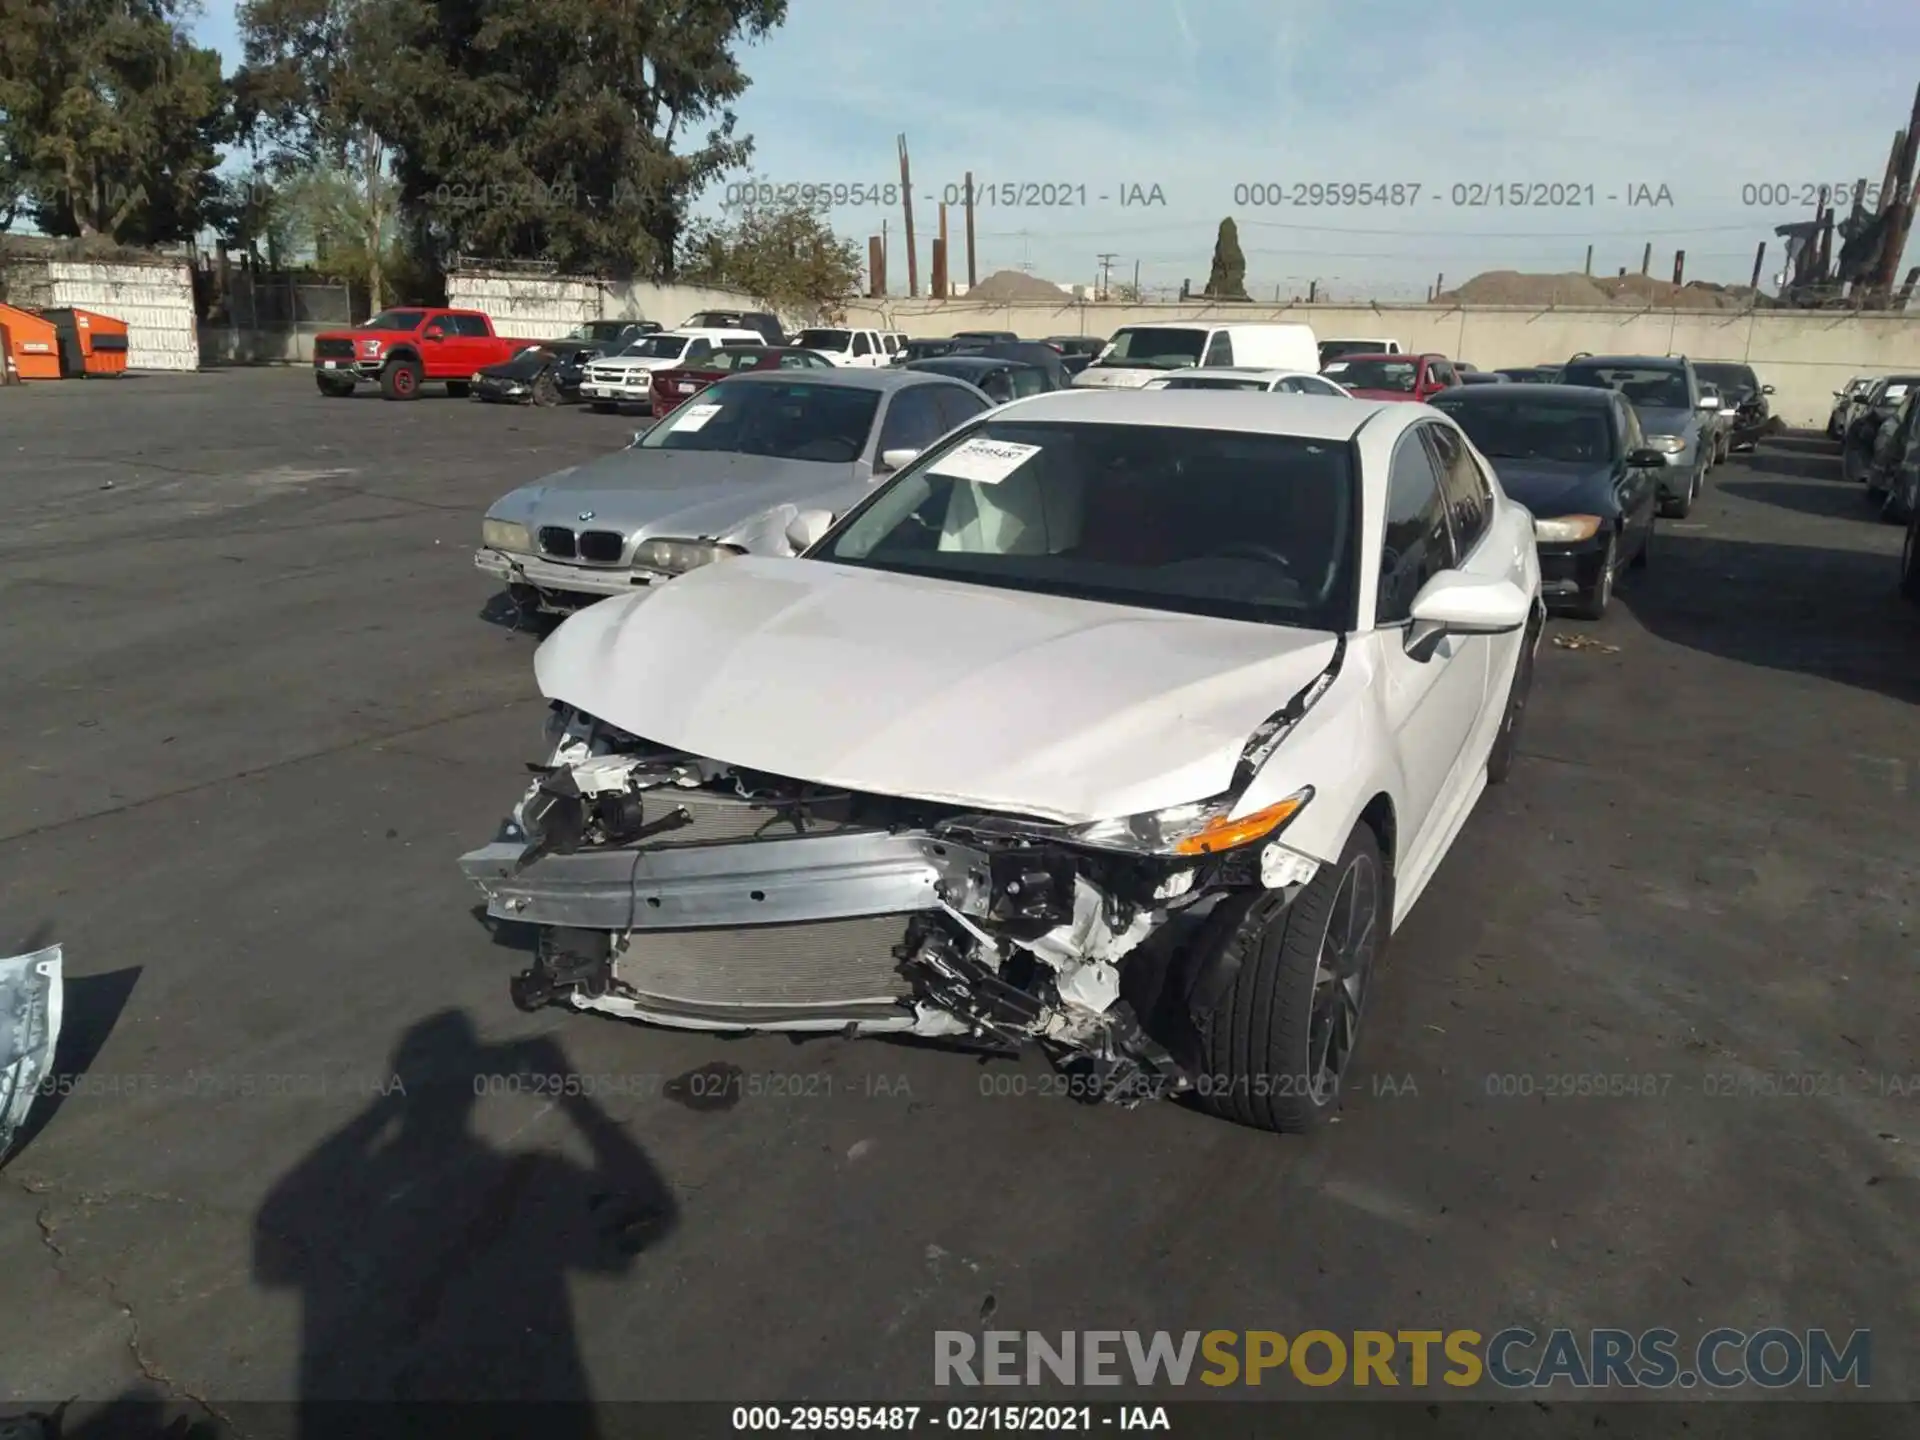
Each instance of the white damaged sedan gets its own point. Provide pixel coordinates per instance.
(1126, 724)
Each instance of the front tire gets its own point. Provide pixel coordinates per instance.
(1683, 507)
(333, 389)
(546, 390)
(1506, 743)
(1277, 1048)
(400, 380)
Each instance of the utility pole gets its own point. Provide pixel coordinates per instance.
(1106, 272)
(1589, 259)
(1759, 259)
(972, 279)
(906, 200)
(940, 257)
(1136, 280)
(1679, 266)
(1646, 258)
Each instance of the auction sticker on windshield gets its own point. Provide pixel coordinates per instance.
(695, 416)
(985, 461)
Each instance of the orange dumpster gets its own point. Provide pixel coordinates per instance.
(90, 343)
(33, 345)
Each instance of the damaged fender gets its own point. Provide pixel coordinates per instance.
(1336, 737)
(30, 1001)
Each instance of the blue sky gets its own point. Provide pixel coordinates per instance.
(1201, 96)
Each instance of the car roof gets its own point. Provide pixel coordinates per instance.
(1244, 372)
(972, 362)
(1639, 362)
(894, 377)
(1310, 417)
(1589, 395)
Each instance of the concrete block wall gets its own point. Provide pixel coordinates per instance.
(544, 306)
(1804, 355)
(154, 299)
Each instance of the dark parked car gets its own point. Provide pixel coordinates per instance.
(990, 337)
(1002, 380)
(1742, 394)
(529, 378)
(1578, 459)
(765, 325)
(1076, 351)
(925, 350)
(1887, 485)
(1532, 374)
(1665, 394)
(1025, 352)
(1869, 420)
(1481, 377)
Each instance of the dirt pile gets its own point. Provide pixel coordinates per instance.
(1004, 286)
(1639, 292)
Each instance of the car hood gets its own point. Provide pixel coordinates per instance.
(1664, 419)
(686, 494)
(901, 685)
(1556, 487)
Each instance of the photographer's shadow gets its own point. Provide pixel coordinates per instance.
(432, 1264)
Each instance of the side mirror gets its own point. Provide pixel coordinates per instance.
(433, 332)
(1766, 389)
(806, 528)
(1709, 402)
(1646, 459)
(1456, 603)
(894, 459)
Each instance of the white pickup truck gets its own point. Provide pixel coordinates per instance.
(862, 349)
(617, 382)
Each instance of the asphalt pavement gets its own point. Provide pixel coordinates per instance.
(258, 701)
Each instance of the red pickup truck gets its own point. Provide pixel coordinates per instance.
(404, 348)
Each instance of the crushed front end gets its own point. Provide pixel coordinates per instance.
(677, 889)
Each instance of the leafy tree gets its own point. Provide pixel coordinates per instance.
(783, 252)
(113, 118)
(578, 131)
(311, 87)
(1228, 278)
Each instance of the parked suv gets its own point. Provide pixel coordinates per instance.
(766, 326)
(1664, 391)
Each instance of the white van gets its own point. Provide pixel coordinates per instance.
(1139, 353)
(1331, 350)
(861, 349)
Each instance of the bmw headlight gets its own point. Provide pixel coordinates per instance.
(1668, 444)
(1202, 828)
(676, 557)
(505, 535)
(1564, 529)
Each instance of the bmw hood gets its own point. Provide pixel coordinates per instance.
(1554, 487)
(686, 494)
(930, 689)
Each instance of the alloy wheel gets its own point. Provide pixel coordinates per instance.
(1340, 977)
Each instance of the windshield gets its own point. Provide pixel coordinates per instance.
(824, 339)
(1647, 388)
(1532, 428)
(734, 357)
(1223, 523)
(395, 320)
(1892, 391)
(1736, 382)
(1209, 382)
(657, 347)
(1394, 375)
(796, 420)
(1156, 349)
(719, 320)
(1335, 349)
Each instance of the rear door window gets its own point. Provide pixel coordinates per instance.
(1219, 350)
(1417, 543)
